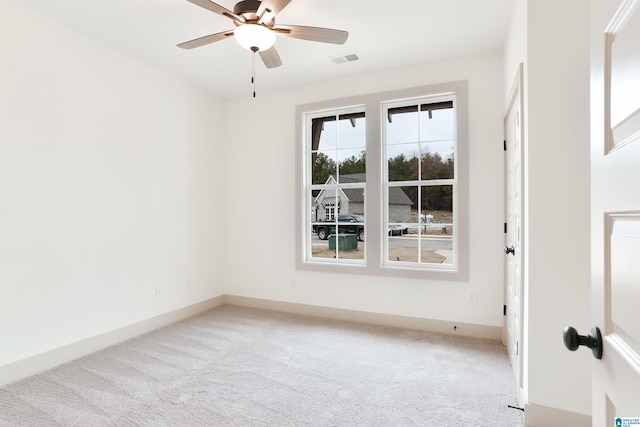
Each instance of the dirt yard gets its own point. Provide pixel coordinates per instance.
(444, 217)
(395, 254)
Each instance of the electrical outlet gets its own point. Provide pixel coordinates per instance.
(158, 292)
(187, 286)
(472, 298)
(293, 282)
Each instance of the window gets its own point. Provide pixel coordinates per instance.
(382, 183)
(419, 142)
(336, 184)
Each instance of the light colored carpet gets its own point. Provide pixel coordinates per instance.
(236, 366)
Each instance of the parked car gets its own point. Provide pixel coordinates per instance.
(347, 223)
(397, 230)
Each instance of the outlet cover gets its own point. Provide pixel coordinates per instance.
(472, 298)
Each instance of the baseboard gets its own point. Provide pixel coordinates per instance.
(443, 326)
(545, 416)
(41, 362)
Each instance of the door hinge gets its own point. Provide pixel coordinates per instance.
(504, 310)
(504, 144)
(505, 228)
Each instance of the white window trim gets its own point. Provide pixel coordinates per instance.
(374, 262)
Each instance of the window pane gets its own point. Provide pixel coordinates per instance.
(325, 206)
(353, 203)
(352, 132)
(436, 125)
(325, 128)
(402, 125)
(438, 198)
(403, 162)
(402, 201)
(323, 166)
(352, 165)
(434, 166)
(342, 246)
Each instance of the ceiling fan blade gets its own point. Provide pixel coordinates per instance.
(270, 57)
(216, 8)
(201, 41)
(316, 34)
(272, 7)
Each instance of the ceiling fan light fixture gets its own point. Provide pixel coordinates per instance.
(254, 37)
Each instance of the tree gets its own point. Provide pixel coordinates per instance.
(403, 169)
(353, 165)
(432, 166)
(322, 167)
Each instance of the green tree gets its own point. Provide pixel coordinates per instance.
(322, 167)
(353, 164)
(403, 169)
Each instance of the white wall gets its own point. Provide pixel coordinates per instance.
(107, 188)
(261, 163)
(551, 38)
(515, 47)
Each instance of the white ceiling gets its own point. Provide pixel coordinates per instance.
(384, 34)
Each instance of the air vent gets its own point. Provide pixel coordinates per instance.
(341, 59)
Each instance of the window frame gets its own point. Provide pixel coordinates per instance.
(438, 101)
(375, 153)
(337, 185)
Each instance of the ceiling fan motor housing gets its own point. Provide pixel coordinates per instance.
(247, 9)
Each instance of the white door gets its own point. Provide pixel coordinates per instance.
(615, 207)
(513, 230)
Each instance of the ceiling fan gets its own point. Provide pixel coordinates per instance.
(256, 29)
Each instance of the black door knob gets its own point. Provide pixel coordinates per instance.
(510, 250)
(594, 340)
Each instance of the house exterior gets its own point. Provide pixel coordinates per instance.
(328, 203)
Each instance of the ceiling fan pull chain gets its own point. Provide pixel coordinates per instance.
(253, 70)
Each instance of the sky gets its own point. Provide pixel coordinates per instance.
(409, 133)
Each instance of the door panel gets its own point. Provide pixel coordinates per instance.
(624, 280)
(615, 208)
(623, 37)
